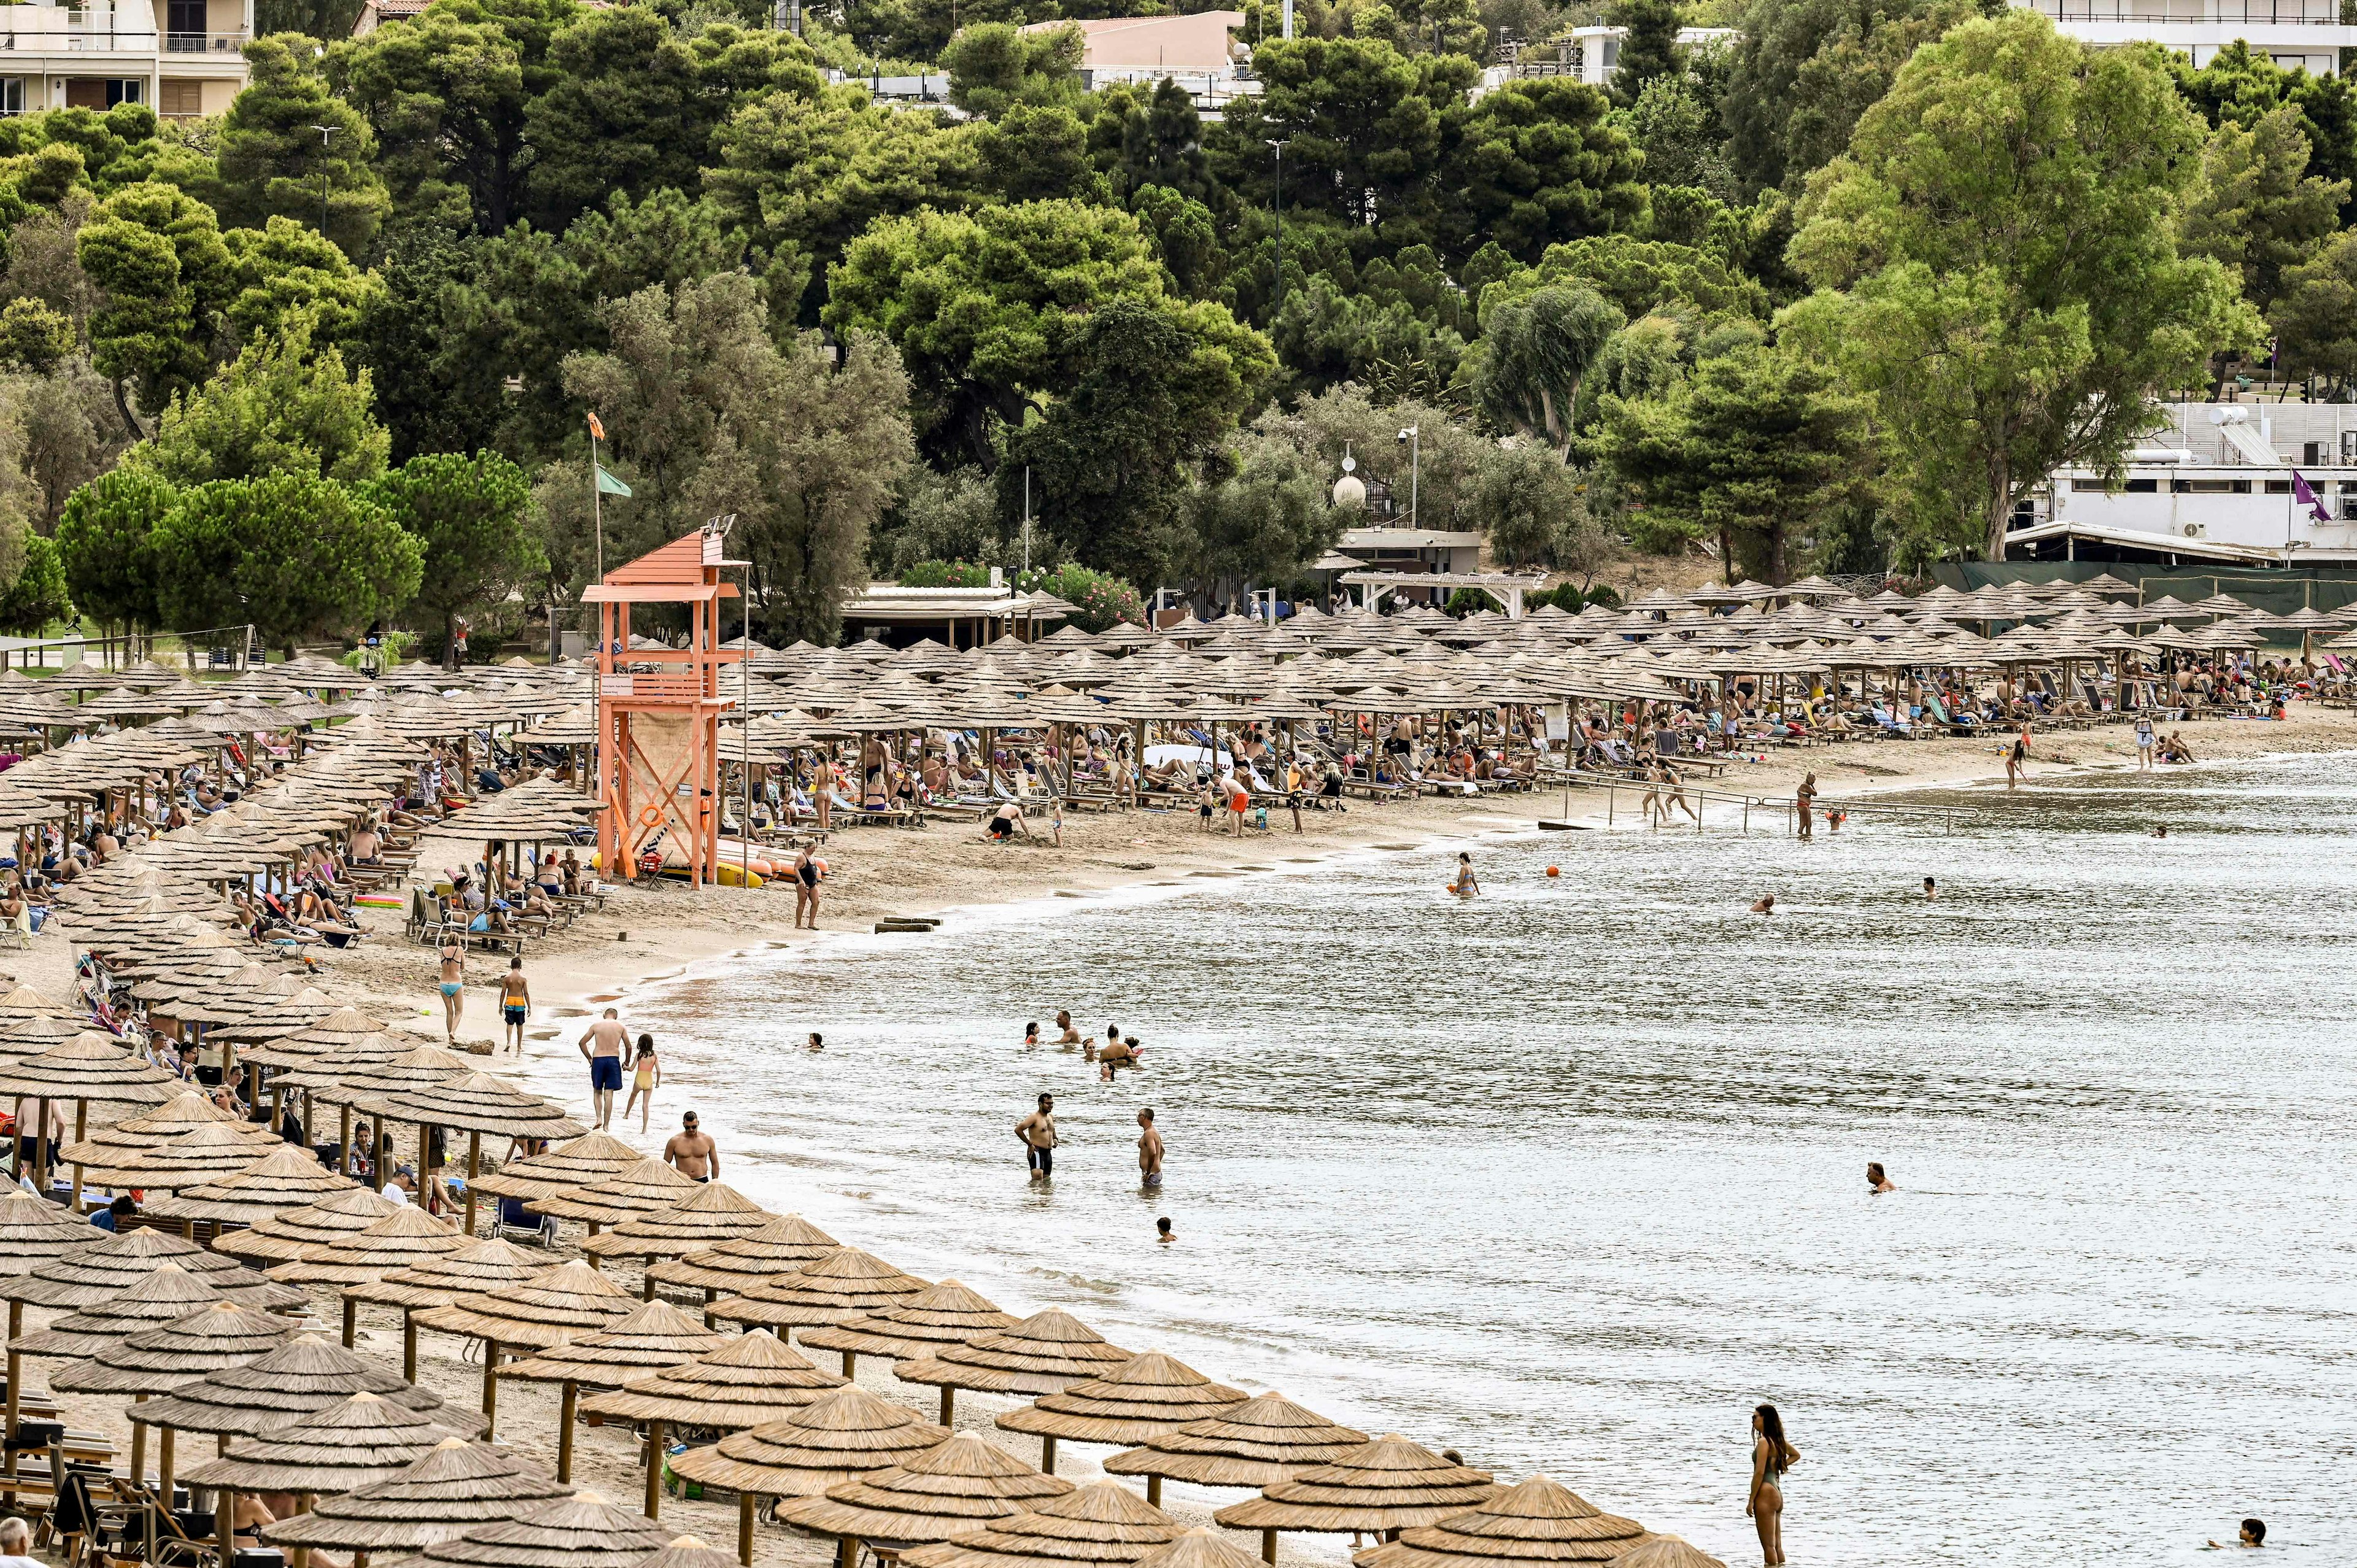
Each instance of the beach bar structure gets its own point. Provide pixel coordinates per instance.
(659, 730)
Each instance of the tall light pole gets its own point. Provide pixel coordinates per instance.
(1277, 300)
(1413, 439)
(327, 133)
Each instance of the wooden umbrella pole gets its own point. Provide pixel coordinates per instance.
(164, 1435)
(745, 1528)
(408, 1345)
(224, 1521)
(945, 1405)
(565, 1403)
(1154, 1490)
(344, 1140)
(1047, 1455)
(1268, 1546)
(15, 1381)
(654, 1468)
(491, 1386)
(351, 1320)
(139, 1446)
(474, 1170)
(850, 1359)
(82, 1131)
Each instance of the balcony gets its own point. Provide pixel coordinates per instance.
(2195, 13)
(228, 45)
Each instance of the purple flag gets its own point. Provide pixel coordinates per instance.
(2305, 497)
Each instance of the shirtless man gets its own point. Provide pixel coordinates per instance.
(454, 986)
(1149, 1150)
(515, 1001)
(601, 1047)
(1070, 1036)
(693, 1154)
(1766, 904)
(1876, 1181)
(1037, 1133)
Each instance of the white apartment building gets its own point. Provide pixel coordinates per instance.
(2217, 485)
(2306, 34)
(185, 58)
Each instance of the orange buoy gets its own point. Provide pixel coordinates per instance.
(1554, 872)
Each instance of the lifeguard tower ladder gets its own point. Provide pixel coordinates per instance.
(658, 730)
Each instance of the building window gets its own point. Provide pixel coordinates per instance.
(2210, 486)
(181, 100)
(2144, 486)
(12, 95)
(2279, 486)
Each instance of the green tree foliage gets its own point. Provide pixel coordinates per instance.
(1650, 49)
(1141, 137)
(1672, 125)
(1034, 153)
(72, 432)
(922, 29)
(1639, 277)
(635, 105)
(1262, 520)
(37, 595)
(105, 544)
(329, 21)
(1148, 389)
(33, 336)
(2242, 88)
(1996, 261)
(156, 253)
(2255, 208)
(283, 406)
(1361, 121)
(297, 555)
(943, 517)
(1756, 449)
(283, 270)
(1533, 508)
(433, 345)
(1803, 70)
(446, 94)
(2315, 317)
(468, 515)
(1538, 161)
(1534, 349)
(994, 66)
(273, 160)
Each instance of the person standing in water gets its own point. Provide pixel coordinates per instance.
(1931, 889)
(1149, 1150)
(1464, 887)
(806, 875)
(1037, 1131)
(601, 1046)
(1805, 797)
(2017, 757)
(1771, 1456)
(515, 1001)
(646, 1074)
(1876, 1181)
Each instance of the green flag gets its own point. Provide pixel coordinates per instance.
(611, 484)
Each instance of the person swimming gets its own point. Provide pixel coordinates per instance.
(1931, 889)
(1766, 905)
(1876, 1181)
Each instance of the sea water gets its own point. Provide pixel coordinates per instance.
(1570, 1175)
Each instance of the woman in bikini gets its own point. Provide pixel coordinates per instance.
(1771, 1456)
(454, 986)
(646, 1074)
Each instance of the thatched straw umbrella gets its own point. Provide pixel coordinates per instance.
(586, 1161)
(1538, 1523)
(1380, 1486)
(1666, 1552)
(158, 1361)
(849, 1433)
(484, 1265)
(945, 1491)
(284, 1235)
(457, 1487)
(649, 1186)
(1201, 1548)
(90, 1068)
(33, 1233)
(363, 1439)
(547, 1309)
(913, 1327)
(1047, 1351)
(583, 1531)
(657, 1336)
(476, 1104)
(285, 1179)
(303, 1376)
(713, 1214)
(121, 1260)
(690, 1552)
(752, 1379)
(1138, 1399)
(784, 1245)
(1265, 1439)
(169, 1292)
(209, 1153)
(406, 1237)
(176, 1118)
(845, 1283)
(1103, 1522)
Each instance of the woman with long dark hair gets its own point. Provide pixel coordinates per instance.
(1771, 1456)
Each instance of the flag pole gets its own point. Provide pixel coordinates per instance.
(596, 498)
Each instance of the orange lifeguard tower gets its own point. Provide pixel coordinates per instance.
(658, 730)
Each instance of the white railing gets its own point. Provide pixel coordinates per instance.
(204, 43)
(2195, 13)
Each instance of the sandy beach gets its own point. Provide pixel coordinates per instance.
(646, 935)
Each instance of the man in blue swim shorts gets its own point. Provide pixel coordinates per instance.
(602, 1045)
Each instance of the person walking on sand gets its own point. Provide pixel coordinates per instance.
(646, 1075)
(2017, 757)
(692, 1152)
(807, 889)
(1149, 1150)
(1771, 1456)
(454, 985)
(515, 1003)
(1037, 1131)
(601, 1046)
(1805, 797)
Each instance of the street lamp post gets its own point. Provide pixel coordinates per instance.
(1277, 302)
(1413, 439)
(327, 133)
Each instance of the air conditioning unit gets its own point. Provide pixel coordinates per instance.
(2348, 448)
(2194, 530)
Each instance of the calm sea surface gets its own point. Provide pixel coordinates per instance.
(1571, 1175)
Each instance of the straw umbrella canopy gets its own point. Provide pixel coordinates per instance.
(1537, 1523)
(157, 1360)
(175, 1119)
(120, 1260)
(456, 1487)
(1047, 1351)
(476, 1104)
(846, 1283)
(716, 1213)
(913, 1327)
(753, 1378)
(169, 1292)
(848, 1434)
(1667, 1551)
(1381, 1487)
(585, 1162)
(475, 1268)
(647, 1186)
(783, 1245)
(34, 1233)
(1263, 1440)
(690, 1552)
(284, 1235)
(286, 1178)
(362, 1439)
(1103, 1522)
(204, 1153)
(657, 1336)
(547, 1309)
(945, 1491)
(304, 1375)
(403, 1238)
(90, 1067)
(1202, 1548)
(583, 1531)
(1139, 1399)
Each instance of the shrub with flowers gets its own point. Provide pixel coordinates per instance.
(1098, 598)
